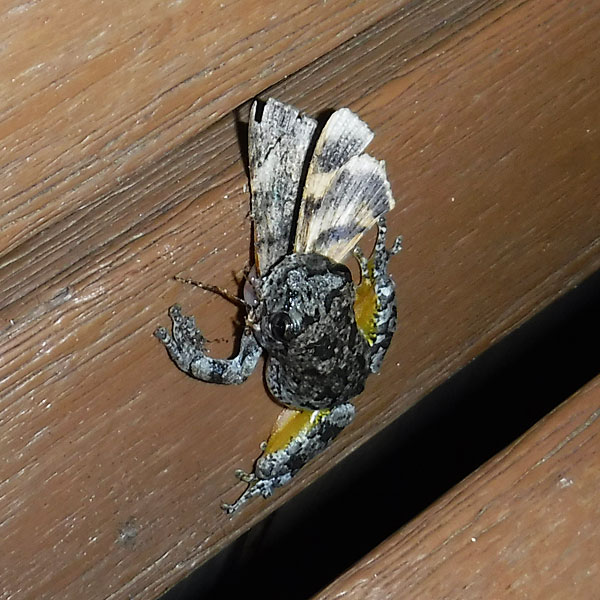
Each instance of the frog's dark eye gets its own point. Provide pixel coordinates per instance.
(282, 327)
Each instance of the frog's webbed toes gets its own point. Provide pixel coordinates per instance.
(245, 476)
(256, 487)
(185, 343)
(185, 332)
(396, 246)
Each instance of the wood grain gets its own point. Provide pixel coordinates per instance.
(113, 463)
(92, 92)
(524, 525)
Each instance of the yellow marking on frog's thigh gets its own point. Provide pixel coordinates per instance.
(366, 306)
(290, 423)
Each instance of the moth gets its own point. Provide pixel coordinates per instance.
(322, 334)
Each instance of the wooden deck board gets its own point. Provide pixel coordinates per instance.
(93, 92)
(524, 525)
(114, 463)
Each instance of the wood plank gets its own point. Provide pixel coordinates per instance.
(114, 463)
(92, 93)
(524, 525)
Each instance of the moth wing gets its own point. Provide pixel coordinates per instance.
(345, 191)
(278, 144)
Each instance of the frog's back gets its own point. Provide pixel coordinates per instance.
(317, 355)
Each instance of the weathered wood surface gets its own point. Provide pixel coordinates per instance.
(524, 525)
(91, 93)
(114, 463)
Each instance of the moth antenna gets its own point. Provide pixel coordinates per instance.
(215, 290)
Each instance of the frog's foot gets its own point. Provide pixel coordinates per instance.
(186, 348)
(376, 265)
(381, 253)
(256, 487)
(186, 341)
(245, 477)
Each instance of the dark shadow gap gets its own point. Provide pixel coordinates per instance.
(316, 536)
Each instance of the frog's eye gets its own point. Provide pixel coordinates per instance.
(282, 327)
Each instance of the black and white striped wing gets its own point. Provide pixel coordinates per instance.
(278, 141)
(345, 191)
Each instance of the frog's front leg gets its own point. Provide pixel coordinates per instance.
(375, 305)
(186, 348)
(297, 437)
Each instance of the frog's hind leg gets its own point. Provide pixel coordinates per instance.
(297, 437)
(375, 304)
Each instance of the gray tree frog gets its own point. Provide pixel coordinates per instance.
(321, 333)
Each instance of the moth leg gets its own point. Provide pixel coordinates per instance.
(297, 437)
(363, 262)
(186, 348)
(375, 304)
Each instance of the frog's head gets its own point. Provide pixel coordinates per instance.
(301, 302)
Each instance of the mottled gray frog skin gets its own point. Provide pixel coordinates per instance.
(309, 215)
(302, 315)
(317, 355)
